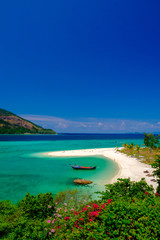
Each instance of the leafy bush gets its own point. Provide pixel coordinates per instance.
(126, 210)
(7, 207)
(151, 140)
(39, 207)
(17, 227)
(73, 198)
(117, 219)
(126, 189)
(156, 165)
(26, 221)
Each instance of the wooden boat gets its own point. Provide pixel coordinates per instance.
(82, 168)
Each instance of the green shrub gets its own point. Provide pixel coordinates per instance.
(39, 207)
(126, 189)
(15, 225)
(117, 219)
(156, 172)
(126, 210)
(73, 198)
(7, 207)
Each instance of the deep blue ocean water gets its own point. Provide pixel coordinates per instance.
(25, 168)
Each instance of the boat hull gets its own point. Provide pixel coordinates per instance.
(83, 168)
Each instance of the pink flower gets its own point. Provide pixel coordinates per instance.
(76, 224)
(53, 221)
(85, 200)
(75, 213)
(72, 209)
(103, 206)
(94, 214)
(110, 200)
(108, 233)
(53, 230)
(55, 214)
(81, 219)
(146, 193)
(49, 206)
(65, 204)
(48, 221)
(49, 233)
(71, 197)
(157, 194)
(58, 227)
(65, 209)
(58, 215)
(87, 206)
(56, 203)
(66, 218)
(95, 205)
(90, 219)
(84, 209)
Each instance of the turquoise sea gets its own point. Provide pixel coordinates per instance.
(24, 167)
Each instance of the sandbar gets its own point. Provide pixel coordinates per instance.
(128, 167)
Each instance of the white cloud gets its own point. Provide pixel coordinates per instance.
(123, 125)
(94, 125)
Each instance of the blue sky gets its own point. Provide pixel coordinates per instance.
(88, 66)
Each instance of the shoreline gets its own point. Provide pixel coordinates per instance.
(128, 167)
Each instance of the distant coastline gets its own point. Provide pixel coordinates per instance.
(11, 123)
(14, 134)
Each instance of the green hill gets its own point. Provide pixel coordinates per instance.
(10, 123)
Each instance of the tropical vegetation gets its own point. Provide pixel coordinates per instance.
(148, 152)
(125, 210)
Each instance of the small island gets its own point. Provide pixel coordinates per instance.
(10, 123)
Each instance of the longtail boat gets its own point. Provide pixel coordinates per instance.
(82, 168)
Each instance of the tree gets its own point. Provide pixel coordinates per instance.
(131, 145)
(125, 188)
(137, 148)
(125, 145)
(37, 206)
(156, 172)
(150, 140)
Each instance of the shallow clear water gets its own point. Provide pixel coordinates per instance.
(25, 168)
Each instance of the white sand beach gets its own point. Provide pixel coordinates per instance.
(129, 167)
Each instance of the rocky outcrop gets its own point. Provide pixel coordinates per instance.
(82, 181)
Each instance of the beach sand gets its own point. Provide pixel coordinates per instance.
(129, 167)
